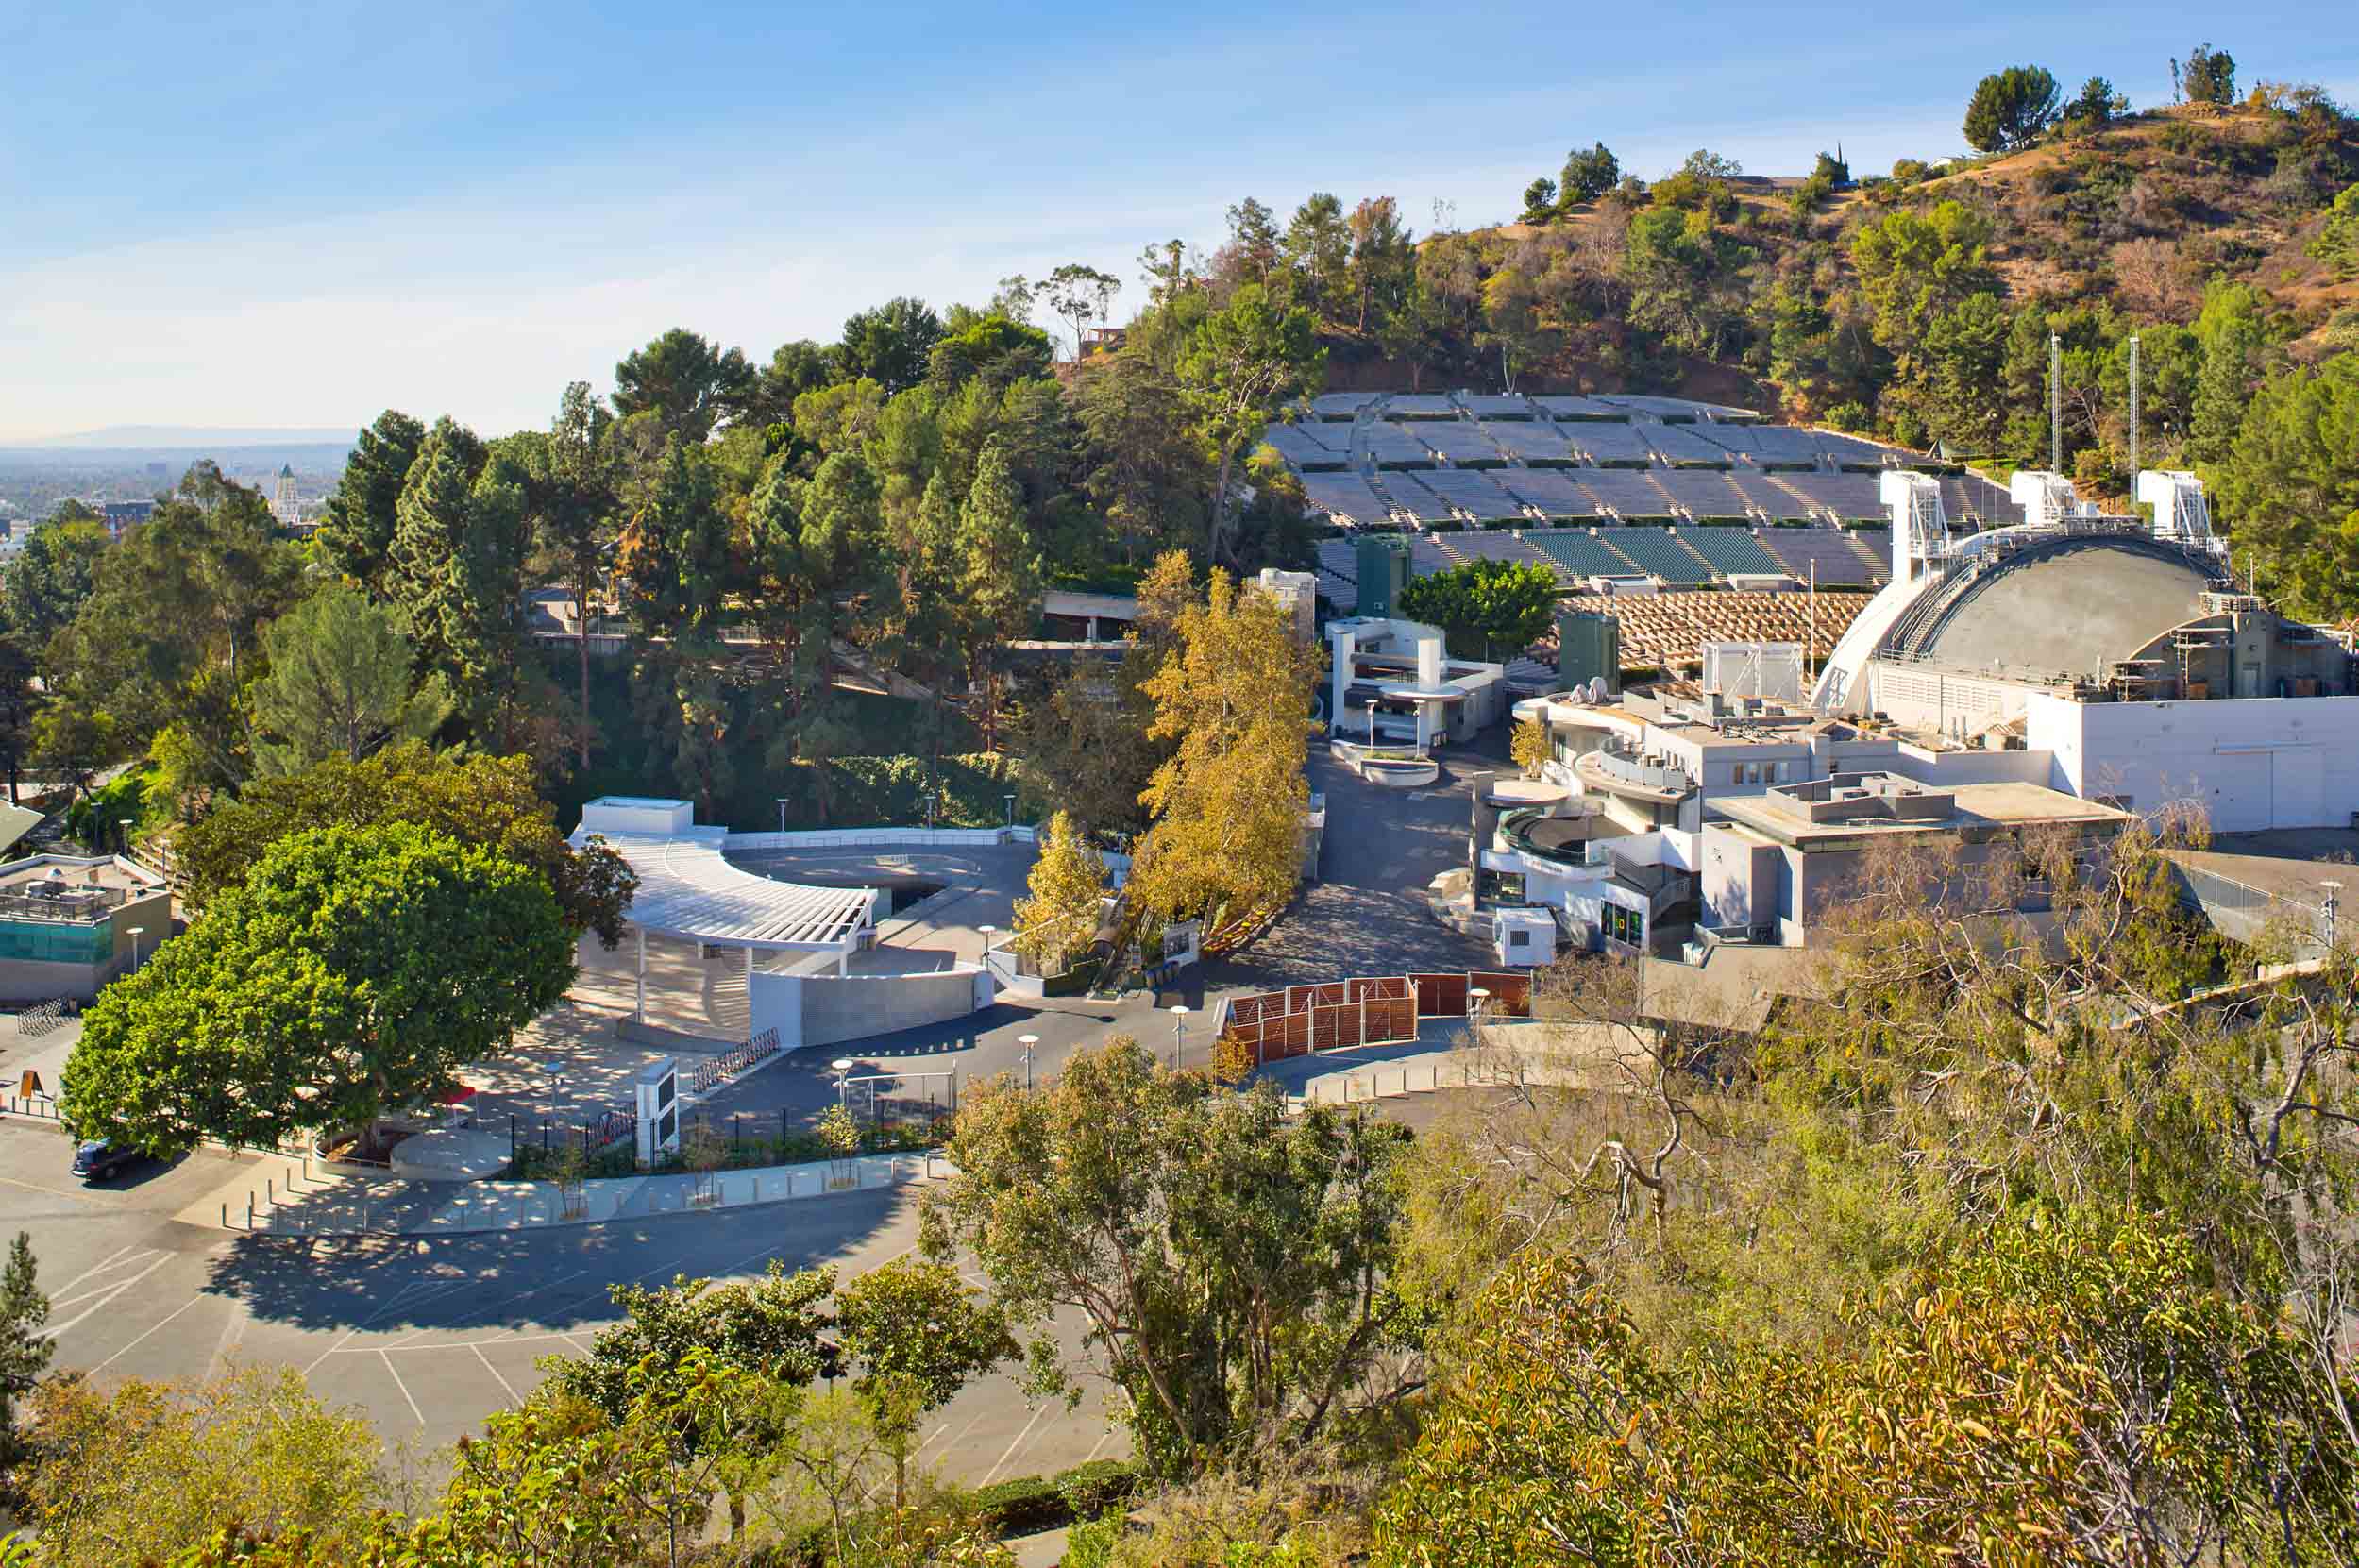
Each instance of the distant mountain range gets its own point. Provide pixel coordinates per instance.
(181, 437)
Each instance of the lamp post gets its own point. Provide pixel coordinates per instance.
(123, 825)
(1179, 1033)
(1027, 1041)
(140, 931)
(1371, 723)
(842, 1066)
(1477, 996)
(1011, 809)
(782, 815)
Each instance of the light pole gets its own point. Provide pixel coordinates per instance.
(1179, 1033)
(843, 1065)
(2331, 907)
(781, 815)
(985, 931)
(1027, 1041)
(140, 931)
(1475, 997)
(1011, 809)
(552, 1068)
(124, 824)
(1371, 723)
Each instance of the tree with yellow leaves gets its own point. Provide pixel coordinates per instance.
(1068, 881)
(1530, 747)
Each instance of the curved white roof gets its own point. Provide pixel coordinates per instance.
(686, 889)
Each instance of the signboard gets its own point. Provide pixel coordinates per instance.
(655, 1095)
(29, 1086)
(1180, 943)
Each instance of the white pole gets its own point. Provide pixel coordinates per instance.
(642, 1007)
(749, 993)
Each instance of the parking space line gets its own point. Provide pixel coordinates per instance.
(143, 1333)
(62, 1299)
(994, 1474)
(494, 1372)
(403, 1386)
(106, 1298)
(101, 1266)
(429, 1328)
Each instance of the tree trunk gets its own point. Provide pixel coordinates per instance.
(581, 608)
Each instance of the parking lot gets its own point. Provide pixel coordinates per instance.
(429, 1335)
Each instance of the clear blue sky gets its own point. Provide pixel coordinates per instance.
(300, 213)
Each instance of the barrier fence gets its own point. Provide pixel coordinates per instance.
(1382, 1009)
(712, 1070)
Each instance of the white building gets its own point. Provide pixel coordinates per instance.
(1390, 681)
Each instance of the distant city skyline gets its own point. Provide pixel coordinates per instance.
(463, 214)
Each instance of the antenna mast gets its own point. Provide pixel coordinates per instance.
(2134, 408)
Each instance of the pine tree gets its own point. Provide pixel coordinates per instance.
(999, 576)
(24, 1351)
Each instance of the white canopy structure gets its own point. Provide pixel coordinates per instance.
(689, 890)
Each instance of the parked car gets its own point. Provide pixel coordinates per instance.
(97, 1158)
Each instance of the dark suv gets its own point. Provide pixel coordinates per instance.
(99, 1159)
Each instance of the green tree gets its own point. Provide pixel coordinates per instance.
(1317, 254)
(339, 684)
(140, 1472)
(917, 1333)
(1229, 1262)
(999, 577)
(688, 384)
(2336, 242)
(2288, 487)
(2209, 76)
(475, 798)
(2010, 108)
(1067, 886)
(356, 529)
(1383, 261)
(1589, 175)
(1485, 609)
(2234, 333)
(2097, 104)
(354, 975)
(51, 579)
(24, 1352)
(889, 345)
(1912, 266)
(1238, 367)
(1080, 294)
(1540, 200)
(574, 506)
(456, 568)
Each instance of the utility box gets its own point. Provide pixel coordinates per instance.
(1383, 574)
(1588, 646)
(1524, 938)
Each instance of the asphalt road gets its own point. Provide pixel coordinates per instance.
(427, 1336)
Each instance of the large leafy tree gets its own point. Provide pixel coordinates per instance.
(686, 382)
(1229, 1262)
(1485, 609)
(475, 798)
(457, 564)
(890, 344)
(1081, 294)
(355, 972)
(340, 684)
(1237, 367)
(574, 506)
(25, 1349)
(999, 576)
(2010, 108)
(2288, 488)
(918, 1333)
(51, 579)
(1066, 889)
(1588, 174)
(356, 531)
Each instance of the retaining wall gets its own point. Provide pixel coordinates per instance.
(823, 1009)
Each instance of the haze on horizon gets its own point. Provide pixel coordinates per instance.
(281, 215)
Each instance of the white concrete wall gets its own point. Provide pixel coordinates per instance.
(636, 813)
(1945, 769)
(2250, 763)
(825, 1009)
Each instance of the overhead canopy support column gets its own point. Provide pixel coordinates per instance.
(749, 992)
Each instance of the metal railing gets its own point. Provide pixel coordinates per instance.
(712, 1070)
(50, 1016)
(77, 905)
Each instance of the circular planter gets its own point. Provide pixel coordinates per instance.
(1400, 773)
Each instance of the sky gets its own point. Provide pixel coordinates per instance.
(299, 214)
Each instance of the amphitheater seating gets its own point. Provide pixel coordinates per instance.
(1876, 543)
(1632, 493)
(1703, 493)
(1555, 491)
(1420, 405)
(1578, 408)
(1340, 404)
(1476, 495)
(1763, 495)
(1532, 440)
(1838, 562)
(1454, 439)
(1659, 554)
(1296, 445)
(1345, 497)
(1415, 502)
(1579, 554)
(1851, 449)
(1426, 556)
(1487, 406)
(1607, 443)
(1845, 494)
(1729, 549)
(1680, 444)
(1668, 629)
(1972, 502)
(1391, 446)
(1493, 544)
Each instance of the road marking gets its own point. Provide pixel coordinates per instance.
(392, 1302)
(1013, 1446)
(403, 1386)
(63, 1300)
(106, 1298)
(232, 1333)
(143, 1333)
(101, 1265)
(487, 1367)
(52, 1192)
(429, 1328)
